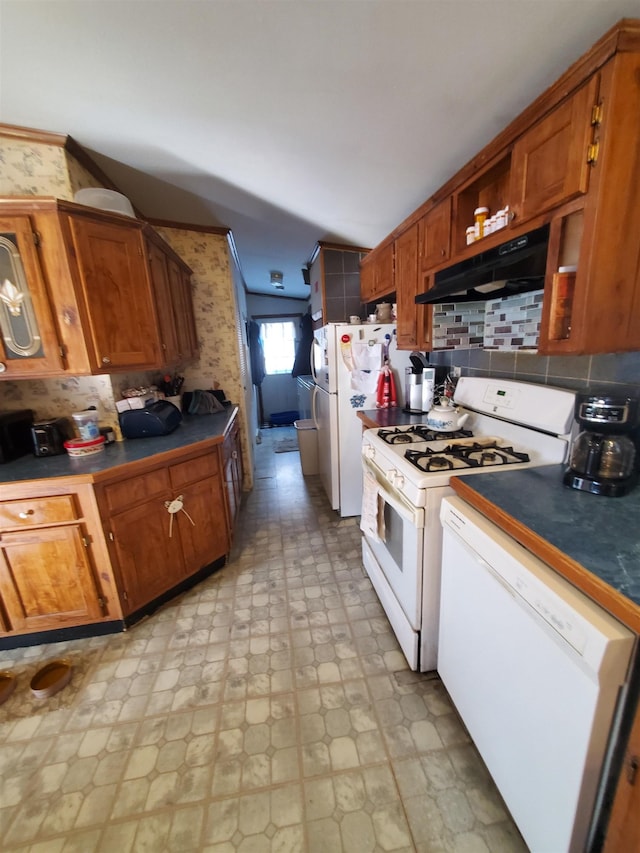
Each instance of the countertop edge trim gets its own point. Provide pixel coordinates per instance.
(603, 594)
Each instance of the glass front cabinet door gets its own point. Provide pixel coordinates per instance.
(30, 344)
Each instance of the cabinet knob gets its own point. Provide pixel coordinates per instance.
(106, 359)
(3, 367)
(25, 514)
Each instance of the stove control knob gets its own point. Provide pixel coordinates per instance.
(368, 451)
(396, 479)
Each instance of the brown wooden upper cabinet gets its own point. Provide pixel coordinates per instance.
(376, 273)
(551, 163)
(413, 323)
(29, 343)
(571, 160)
(88, 298)
(171, 280)
(114, 295)
(435, 236)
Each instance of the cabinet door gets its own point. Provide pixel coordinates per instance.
(46, 579)
(158, 265)
(148, 552)
(435, 235)
(182, 302)
(233, 473)
(623, 832)
(413, 321)
(29, 344)
(550, 164)
(406, 275)
(203, 528)
(376, 273)
(117, 294)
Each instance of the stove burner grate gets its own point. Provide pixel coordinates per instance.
(475, 455)
(419, 432)
(425, 433)
(396, 436)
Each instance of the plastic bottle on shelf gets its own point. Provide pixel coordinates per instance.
(480, 215)
(471, 234)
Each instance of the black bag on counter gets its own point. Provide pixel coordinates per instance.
(203, 402)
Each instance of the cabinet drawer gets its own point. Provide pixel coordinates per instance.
(129, 492)
(194, 470)
(32, 511)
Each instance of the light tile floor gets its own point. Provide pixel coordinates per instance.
(267, 709)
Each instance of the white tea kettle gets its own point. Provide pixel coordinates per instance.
(446, 418)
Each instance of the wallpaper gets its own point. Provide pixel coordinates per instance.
(33, 169)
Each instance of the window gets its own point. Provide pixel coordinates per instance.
(279, 344)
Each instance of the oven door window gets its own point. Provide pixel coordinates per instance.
(399, 553)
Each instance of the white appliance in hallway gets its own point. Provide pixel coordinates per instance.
(346, 362)
(534, 668)
(406, 476)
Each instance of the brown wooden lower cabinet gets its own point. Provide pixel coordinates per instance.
(80, 555)
(46, 579)
(164, 525)
(623, 831)
(51, 548)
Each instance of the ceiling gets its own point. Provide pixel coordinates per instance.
(288, 121)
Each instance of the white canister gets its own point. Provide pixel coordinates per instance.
(383, 311)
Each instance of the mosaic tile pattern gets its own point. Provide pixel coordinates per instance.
(509, 324)
(267, 709)
(514, 323)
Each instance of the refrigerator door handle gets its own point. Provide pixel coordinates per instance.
(314, 394)
(316, 343)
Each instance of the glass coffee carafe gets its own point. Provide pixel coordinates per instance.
(603, 456)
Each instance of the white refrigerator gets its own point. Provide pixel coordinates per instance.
(346, 363)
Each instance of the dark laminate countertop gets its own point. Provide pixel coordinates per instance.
(593, 541)
(373, 418)
(192, 430)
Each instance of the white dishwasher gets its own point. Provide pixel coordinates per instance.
(534, 668)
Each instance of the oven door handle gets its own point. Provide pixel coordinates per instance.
(397, 501)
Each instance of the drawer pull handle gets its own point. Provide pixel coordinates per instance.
(26, 514)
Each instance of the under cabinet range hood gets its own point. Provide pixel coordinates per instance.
(517, 266)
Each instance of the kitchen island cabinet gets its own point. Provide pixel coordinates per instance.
(163, 525)
(91, 545)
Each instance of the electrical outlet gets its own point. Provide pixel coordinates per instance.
(456, 371)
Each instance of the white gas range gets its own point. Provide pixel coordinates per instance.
(406, 474)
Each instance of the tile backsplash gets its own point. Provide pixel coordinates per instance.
(513, 323)
(614, 372)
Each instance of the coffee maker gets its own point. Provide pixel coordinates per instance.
(603, 456)
(419, 383)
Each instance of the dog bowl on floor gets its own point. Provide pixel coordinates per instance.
(51, 678)
(7, 685)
